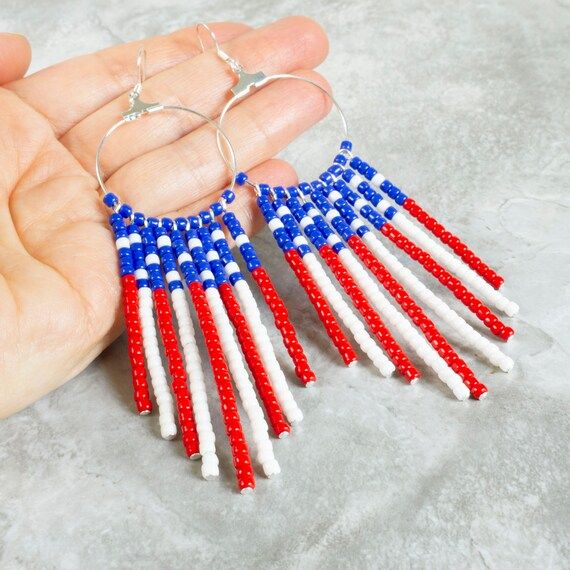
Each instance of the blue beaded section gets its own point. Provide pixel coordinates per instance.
(216, 265)
(322, 225)
(310, 230)
(187, 268)
(154, 269)
(347, 213)
(387, 187)
(167, 258)
(247, 250)
(291, 226)
(110, 200)
(225, 253)
(138, 256)
(338, 223)
(126, 264)
(200, 260)
(280, 234)
(374, 217)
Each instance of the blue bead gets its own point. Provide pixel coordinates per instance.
(340, 159)
(390, 212)
(125, 210)
(401, 198)
(326, 177)
(305, 188)
(335, 169)
(115, 219)
(139, 219)
(280, 192)
(235, 277)
(265, 189)
(194, 222)
(346, 145)
(181, 223)
(355, 162)
(393, 192)
(370, 173)
(206, 217)
(386, 185)
(348, 175)
(241, 178)
(152, 222)
(167, 224)
(338, 247)
(229, 196)
(217, 208)
(110, 200)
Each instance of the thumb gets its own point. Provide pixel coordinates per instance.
(15, 56)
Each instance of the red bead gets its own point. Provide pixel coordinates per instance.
(371, 316)
(254, 362)
(177, 372)
(322, 307)
(141, 392)
(234, 430)
(431, 333)
(446, 279)
(282, 322)
(454, 243)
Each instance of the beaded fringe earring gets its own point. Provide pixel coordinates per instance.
(341, 218)
(166, 263)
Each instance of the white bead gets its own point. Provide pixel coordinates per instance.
(152, 259)
(217, 235)
(123, 242)
(392, 316)
(155, 367)
(172, 276)
(376, 180)
(455, 265)
(439, 307)
(242, 381)
(197, 385)
(241, 239)
(275, 224)
(141, 274)
(347, 316)
(184, 257)
(163, 241)
(267, 353)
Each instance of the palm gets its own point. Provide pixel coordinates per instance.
(59, 292)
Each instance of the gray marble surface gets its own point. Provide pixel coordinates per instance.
(466, 105)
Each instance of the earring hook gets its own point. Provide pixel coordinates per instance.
(141, 67)
(226, 58)
(137, 107)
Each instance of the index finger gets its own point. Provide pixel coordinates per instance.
(68, 92)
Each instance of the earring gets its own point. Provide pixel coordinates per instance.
(161, 258)
(336, 215)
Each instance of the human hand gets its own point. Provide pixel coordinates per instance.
(59, 286)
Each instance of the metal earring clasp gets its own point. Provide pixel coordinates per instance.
(138, 107)
(246, 81)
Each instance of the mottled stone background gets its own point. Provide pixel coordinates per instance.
(466, 105)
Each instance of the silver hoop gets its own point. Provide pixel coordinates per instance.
(248, 81)
(138, 108)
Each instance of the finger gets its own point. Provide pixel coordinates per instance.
(68, 92)
(15, 57)
(188, 169)
(203, 83)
